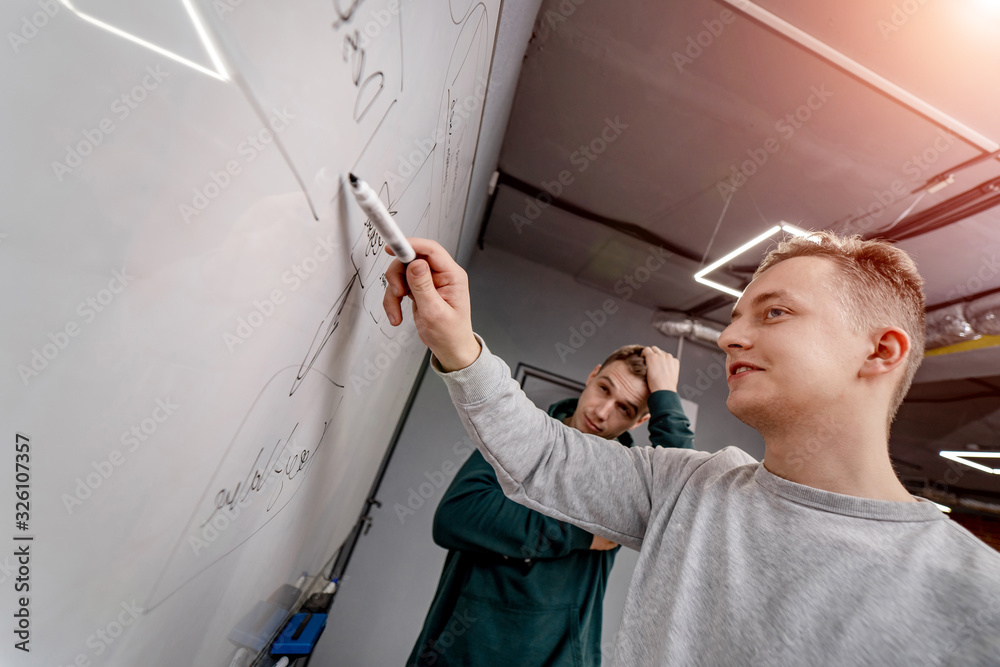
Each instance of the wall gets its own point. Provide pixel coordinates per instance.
(522, 310)
(516, 22)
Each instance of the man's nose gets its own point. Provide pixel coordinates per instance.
(733, 337)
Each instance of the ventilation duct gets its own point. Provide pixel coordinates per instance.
(964, 321)
(681, 325)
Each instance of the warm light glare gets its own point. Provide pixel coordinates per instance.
(981, 7)
(862, 73)
(959, 457)
(943, 508)
(220, 71)
(784, 226)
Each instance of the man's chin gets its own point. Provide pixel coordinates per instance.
(757, 414)
(747, 412)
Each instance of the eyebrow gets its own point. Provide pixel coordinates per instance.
(760, 298)
(607, 378)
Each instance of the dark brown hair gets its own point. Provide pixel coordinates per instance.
(632, 356)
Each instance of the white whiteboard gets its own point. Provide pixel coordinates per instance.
(193, 315)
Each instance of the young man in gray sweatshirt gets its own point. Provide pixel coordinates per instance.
(817, 555)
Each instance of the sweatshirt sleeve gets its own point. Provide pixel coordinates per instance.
(668, 425)
(476, 516)
(593, 483)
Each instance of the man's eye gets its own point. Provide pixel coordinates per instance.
(775, 312)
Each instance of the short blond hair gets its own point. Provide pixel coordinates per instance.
(878, 285)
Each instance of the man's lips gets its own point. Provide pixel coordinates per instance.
(590, 425)
(737, 365)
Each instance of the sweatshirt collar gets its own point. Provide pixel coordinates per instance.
(838, 503)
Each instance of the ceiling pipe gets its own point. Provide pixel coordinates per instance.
(964, 205)
(962, 322)
(677, 324)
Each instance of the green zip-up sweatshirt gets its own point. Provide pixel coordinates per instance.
(519, 588)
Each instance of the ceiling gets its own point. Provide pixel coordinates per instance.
(696, 126)
(952, 415)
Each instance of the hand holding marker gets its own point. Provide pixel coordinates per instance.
(377, 213)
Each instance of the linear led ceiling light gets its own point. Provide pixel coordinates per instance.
(943, 508)
(960, 457)
(219, 72)
(781, 227)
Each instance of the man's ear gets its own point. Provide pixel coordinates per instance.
(593, 373)
(890, 349)
(642, 420)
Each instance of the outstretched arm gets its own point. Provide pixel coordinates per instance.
(476, 516)
(597, 485)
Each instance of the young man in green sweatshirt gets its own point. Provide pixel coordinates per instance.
(518, 587)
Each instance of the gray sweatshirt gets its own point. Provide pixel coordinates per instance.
(736, 565)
